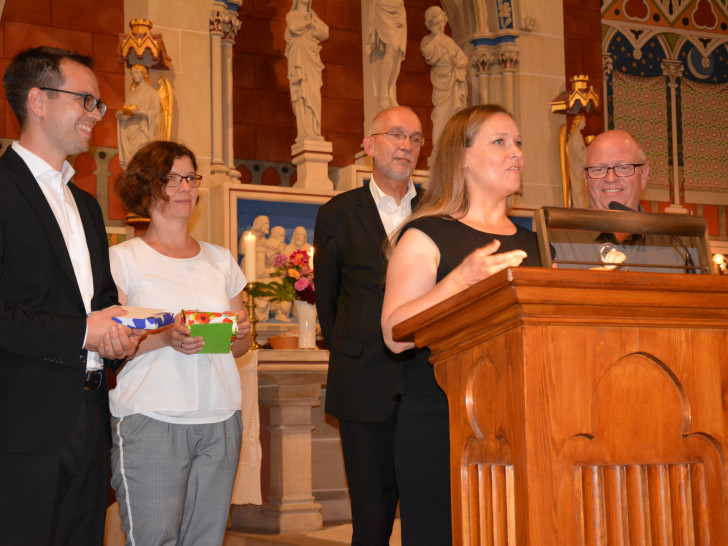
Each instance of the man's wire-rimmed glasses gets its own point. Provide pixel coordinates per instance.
(398, 137)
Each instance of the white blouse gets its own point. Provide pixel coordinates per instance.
(165, 384)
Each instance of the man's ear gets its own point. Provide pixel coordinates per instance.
(369, 145)
(645, 175)
(36, 101)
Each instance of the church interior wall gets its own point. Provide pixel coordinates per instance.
(565, 40)
(539, 77)
(583, 49)
(79, 25)
(265, 127)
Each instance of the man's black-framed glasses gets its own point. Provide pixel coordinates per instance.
(89, 101)
(620, 170)
(398, 137)
(174, 180)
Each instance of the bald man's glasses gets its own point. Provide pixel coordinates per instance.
(89, 101)
(620, 170)
(398, 137)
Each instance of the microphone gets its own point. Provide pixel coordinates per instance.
(616, 205)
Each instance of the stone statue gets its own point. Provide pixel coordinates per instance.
(449, 70)
(139, 119)
(275, 246)
(386, 44)
(299, 241)
(572, 157)
(576, 152)
(304, 34)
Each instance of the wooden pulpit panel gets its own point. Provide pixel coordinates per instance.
(586, 408)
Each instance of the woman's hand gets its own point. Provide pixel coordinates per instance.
(243, 341)
(412, 283)
(243, 324)
(482, 263)
(178, 337)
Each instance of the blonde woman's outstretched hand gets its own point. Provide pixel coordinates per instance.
(481, 263)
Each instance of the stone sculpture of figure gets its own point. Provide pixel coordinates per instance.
(576, 152)
(138, 120)
(304, 34)
(449, 70)
(299, 241)
(386, 45)
(275, 246)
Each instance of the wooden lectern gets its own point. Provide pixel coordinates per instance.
(586, 407)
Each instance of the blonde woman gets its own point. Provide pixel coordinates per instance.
(459, 235)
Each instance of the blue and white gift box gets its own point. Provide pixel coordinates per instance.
(145, 319)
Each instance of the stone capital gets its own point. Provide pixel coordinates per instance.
(225, 23)
(672, 69)
(482, 57)
(508, 56)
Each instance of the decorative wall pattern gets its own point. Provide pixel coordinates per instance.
(639, 107)
(705, 136)
(681, 46)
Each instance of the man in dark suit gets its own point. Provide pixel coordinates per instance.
(54, 271)
(364, 380)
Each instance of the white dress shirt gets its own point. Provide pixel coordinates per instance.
(390, 212)
(54, 186)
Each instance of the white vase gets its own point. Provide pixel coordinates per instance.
(306, 315)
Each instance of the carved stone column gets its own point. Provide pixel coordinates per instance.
(673, 70)
(481, 59)
(495, 80)
(508, 57)
(231, 26)
(218, 14)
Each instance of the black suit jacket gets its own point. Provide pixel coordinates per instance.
(364, 375)
(42, 316)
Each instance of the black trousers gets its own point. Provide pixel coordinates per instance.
(60, 498)
(369, 461)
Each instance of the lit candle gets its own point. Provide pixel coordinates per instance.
(249, 259)
(310, 258)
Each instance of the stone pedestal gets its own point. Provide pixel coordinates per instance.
(289, 386)
(311, 158)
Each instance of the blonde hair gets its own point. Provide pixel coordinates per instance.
(447, 193)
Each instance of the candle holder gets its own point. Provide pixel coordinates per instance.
(250, 306)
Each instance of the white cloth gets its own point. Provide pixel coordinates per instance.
(386, 26)
(247, 482)
(165, 384)
(54, 186)
(390, 212)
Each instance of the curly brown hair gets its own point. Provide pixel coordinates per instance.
(143, 181)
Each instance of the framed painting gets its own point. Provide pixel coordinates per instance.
(274, 212)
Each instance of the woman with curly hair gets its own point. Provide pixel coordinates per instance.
(176, 419)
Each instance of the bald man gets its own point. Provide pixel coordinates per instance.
(616, 170)
(365, 377)
(616, 173)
